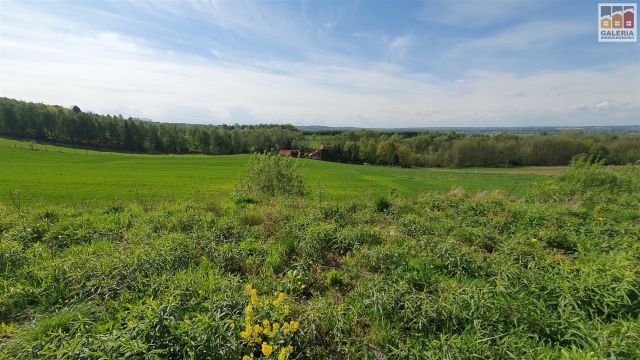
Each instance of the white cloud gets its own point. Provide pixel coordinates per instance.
(475, 13)
(532, 35)
(216, 53)
(60, 63)
(398, 46)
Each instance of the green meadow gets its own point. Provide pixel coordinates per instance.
(60, 175)
(551, 274)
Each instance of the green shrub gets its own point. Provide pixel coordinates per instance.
(271, 175)
(382, 204)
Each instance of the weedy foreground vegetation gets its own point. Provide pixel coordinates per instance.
(554, 273)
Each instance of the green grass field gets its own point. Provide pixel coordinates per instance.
(65, 175)
(554, 274)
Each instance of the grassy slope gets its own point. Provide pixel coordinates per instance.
(553, 274)
(64, 175)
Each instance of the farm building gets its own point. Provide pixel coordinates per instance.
(314, 155)
(289, 153)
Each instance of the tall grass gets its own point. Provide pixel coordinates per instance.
(553, 275)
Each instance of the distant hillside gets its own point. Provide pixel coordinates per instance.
(617, 129)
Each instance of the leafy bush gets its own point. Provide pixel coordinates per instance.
(382, 204)
(271, 175)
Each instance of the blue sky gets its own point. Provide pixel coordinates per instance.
(337, 63)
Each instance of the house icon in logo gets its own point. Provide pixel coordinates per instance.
(629, 17)
(616, 18)
(605, 17)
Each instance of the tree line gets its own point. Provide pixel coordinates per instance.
(397, 148)
(74, 127)
(436, 149)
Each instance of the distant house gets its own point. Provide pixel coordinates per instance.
(628, 18)
(314, 155)
(289, 153)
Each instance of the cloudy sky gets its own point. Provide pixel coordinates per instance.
(360, 63)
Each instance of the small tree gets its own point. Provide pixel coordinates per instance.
(271, 175)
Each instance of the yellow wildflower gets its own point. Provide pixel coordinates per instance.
(232, 326)
(294, 325)
(266, 349)
(246, 334)
(534, 240)
(286, 328)
(255, 301)
(286, 309)
(276, 327)
(279, 297)
(257, 329)
(284, 352)
(246, 357)
(600, 218)
(248, 309)
(248, 288)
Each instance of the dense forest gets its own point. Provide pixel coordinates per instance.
(73, 126)
(432, 149)
(398, 148)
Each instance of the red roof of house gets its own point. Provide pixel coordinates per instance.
(314, 153)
